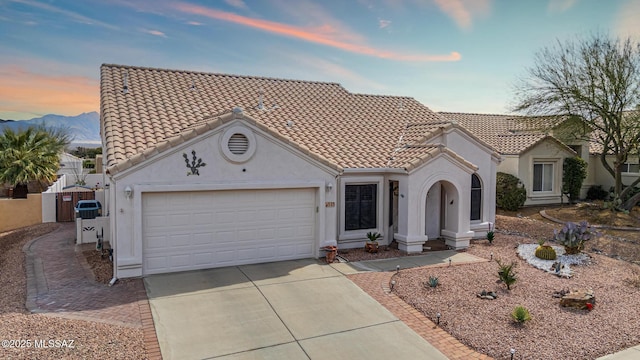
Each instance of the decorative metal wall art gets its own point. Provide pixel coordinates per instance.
(194, 164)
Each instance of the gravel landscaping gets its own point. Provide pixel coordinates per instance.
(90, 340)
(554, 332)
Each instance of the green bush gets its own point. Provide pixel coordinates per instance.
(510, 192)
(574, 171)
(596, 192)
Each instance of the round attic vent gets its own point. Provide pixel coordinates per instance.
(238, 144)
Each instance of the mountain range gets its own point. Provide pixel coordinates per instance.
(84, 128)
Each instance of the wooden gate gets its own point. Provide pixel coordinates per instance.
(66, 201)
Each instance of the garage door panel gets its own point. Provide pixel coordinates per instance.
(201, 218)
(202, 239)
(196, 230)
(203, 258)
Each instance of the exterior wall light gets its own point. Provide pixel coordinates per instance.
(128, 192)
(328, 187)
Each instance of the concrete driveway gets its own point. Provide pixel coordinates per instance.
(285, 310)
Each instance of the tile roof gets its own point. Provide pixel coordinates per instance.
(509, 134)
(162, 107)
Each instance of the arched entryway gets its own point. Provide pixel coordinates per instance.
(442, 204)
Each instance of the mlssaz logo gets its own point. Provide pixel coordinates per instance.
(194, 164)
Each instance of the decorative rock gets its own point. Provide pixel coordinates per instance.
(578, 299)
(488, 295)
(561, 293)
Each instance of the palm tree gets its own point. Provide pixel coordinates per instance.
(30, 155)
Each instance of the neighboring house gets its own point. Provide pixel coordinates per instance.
(71, 166)
(209, 170)
(534, 157)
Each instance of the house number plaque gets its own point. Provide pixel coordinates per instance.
(330, 204)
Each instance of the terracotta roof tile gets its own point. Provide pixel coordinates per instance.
(509, 134)
(342, 128)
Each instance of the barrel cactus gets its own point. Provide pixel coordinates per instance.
(545, 252)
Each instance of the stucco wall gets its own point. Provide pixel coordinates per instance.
(274, 165)
(475, 153)
(509, 165)
(546, 151)
(17, 213)
(602, 177)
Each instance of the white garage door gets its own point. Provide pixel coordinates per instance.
(206, 229)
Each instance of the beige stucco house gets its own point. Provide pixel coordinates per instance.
(536, 158)
(208, 170)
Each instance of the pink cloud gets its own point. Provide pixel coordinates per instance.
(154, 32)
(463, 11)
(43, 94)
(325, 34)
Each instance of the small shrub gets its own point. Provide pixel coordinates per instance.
(596, 192)
(507, 273)
(520, 314)
(433, 281)
(510, 192)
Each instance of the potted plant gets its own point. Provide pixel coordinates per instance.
(572, 236)
(372, 245)
(331, 252)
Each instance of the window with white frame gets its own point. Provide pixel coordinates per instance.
(476, 197)
(360, 206)
(542, 177)
(630, 168)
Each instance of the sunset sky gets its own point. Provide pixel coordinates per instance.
(451, 55)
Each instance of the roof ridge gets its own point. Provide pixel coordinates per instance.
(222, 74)
(481, 114)
(385, 96)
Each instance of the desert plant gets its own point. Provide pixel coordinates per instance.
(572, 236)
(510, 192)
(490, 234)
(520, 314)
(373, 236)
(545, 252)
(507, 274)
(433, 281)
(574, 171)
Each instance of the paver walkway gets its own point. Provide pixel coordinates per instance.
(60, 283)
